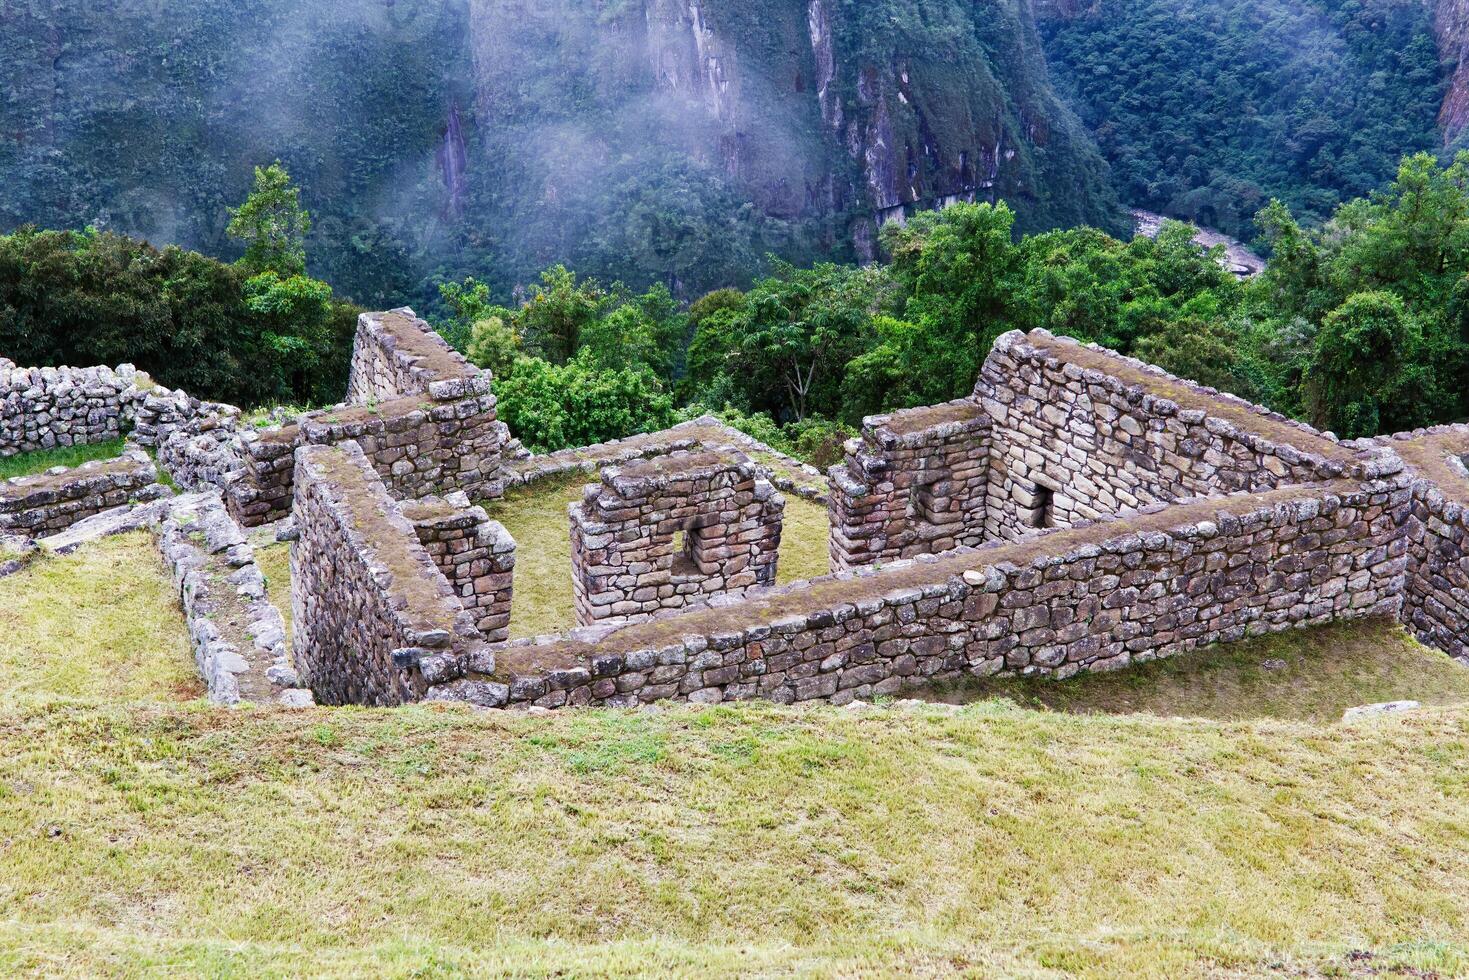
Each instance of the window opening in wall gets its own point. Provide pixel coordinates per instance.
(1045, 504)
(925, 499)
(683, 563)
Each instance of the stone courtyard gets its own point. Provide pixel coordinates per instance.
(1080, 511)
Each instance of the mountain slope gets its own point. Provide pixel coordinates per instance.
(1208, 108)
(643, 139)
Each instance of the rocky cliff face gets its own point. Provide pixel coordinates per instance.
(1451, 26)
(673, 140)
(849, 114)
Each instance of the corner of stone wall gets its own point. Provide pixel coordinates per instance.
(476, 555)
(49, 503)
(914, 483)
(376, 620)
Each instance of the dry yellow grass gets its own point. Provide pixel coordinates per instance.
(103, 623)
(274, 561)
(154, 838)
(1310, 675)
(727, 841)
(535, 516)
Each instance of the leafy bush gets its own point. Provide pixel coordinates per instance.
(556, 406)
(91, 297)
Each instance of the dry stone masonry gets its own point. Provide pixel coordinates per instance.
(51, 502)
(1436, 599)
(914, 483)
(1098, 597)
(1080, 433)
(658, 533)
(1081, 511)
(238, 636)
(424, 416)
(476, 555)
(47, 407)
(373, 613)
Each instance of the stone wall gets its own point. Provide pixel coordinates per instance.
(1095, 597)
(396, 354)
(662, 532)
(424, 416)
(373, 613)
(46, 503)
(238, 636)
(46, 407)
(476, 555)
(785, 473)
(914, 483)
(1436, 600)
(196, 442)
(1089, 433)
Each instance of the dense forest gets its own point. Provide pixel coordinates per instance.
(560, 184)
(1207, 109)
(642, 140)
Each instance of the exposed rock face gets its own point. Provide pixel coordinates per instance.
(1451, 25)
(809, 107)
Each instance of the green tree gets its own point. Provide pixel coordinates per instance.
(1366, 377)
(786, 347)
(555, 406)
(1205, 351)
(559, 309)
(959, 277)
(272, 224)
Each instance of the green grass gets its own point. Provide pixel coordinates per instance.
(102, 623)
(142, 836)
(27, 464)
(730, 841)
(274, 560)
(1310, 675)
(535, 516)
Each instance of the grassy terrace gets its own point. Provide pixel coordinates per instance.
(26, 464)
(535, 516)
(102, 623)
(142, 833)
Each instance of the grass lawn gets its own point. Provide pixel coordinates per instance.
(535, 516)
(101, 623)
(26, 464)
(274, 560)
(1311, 675)
(142, 835)
(734, 840)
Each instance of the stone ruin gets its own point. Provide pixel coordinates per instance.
(661, 533)
(1080, 511)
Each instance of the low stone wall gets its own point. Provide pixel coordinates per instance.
(1094, 597)
(626, 556)
(395, 354)
(50, 502)
(1436, 600)
(419, 446)
(373, 613)
(1096, 434)
(46, 407)
(476, 555)
(785, 473)
(238, 636)
(914, 483)
(196, 442)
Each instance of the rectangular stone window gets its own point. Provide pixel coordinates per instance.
(926, 500)
(1044, 514)
(691, 550)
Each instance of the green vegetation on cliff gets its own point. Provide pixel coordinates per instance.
(1207, 109)
(644, 141)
